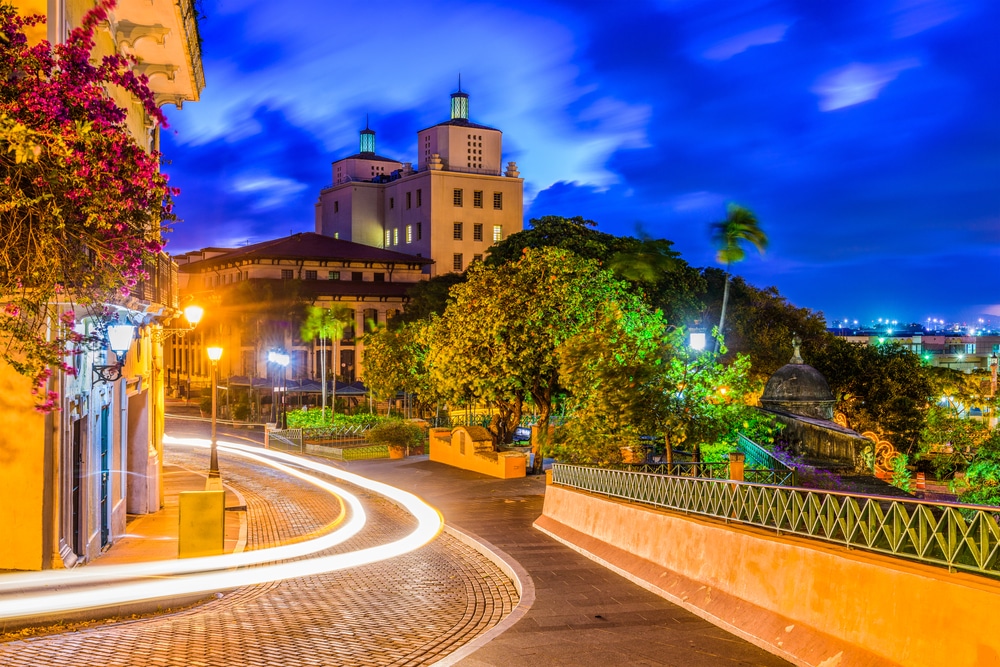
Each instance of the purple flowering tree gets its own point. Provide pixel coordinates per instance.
(81, 202)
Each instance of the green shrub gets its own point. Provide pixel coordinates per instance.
(313, 418)
(396, 433)
(205, 404)
(241, 411)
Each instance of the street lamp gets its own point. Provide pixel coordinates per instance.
(994, 362)
(120, 338)
(214, 479)
(282, 359)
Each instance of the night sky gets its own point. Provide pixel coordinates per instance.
(865, 134)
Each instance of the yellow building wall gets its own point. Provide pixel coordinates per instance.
(445, 448)
(22, 474)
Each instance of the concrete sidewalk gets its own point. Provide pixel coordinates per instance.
(153, 536)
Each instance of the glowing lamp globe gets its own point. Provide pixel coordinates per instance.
(193, 314)
(214, 353)
(120, 338)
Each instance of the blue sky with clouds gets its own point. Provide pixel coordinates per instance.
(865, 134)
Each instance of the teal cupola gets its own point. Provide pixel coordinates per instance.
(460, 103)
(367, 139)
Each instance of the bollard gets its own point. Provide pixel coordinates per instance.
(737, 461)
(201, 527)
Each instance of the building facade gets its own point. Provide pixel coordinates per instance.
(70, 477)
(455, 204)
(255, 301)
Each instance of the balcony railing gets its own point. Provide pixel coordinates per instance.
(953, 535)
(160, 287)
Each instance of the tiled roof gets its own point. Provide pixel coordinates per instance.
(306, 246)
(461, 122)
(369, 156)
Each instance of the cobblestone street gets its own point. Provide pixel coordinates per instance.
(406, 611)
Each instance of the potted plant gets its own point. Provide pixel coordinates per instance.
(205, 405)
(397, 435)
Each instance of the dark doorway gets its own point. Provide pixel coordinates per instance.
(105, 477)
(77, 493)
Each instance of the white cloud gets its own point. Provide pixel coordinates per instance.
(915, 16)
(270, 191)
(857, 83)
(728, 48)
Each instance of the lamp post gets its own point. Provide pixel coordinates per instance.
(281, 359)
(214, 482)
(994, 362)
(120, 338)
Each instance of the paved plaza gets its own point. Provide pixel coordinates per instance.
(427, 606)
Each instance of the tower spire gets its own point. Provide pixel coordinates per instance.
(367, 138)
(460, 103)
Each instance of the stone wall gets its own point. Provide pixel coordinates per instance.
(821, 439)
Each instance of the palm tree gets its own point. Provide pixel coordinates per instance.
(739, 226)
(327, 323)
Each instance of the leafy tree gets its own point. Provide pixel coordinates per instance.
(762, 323)
(498, 338)
(396, 361)
(631, 374)
(82, 205)
(983, 473)
(327, 323)
(729, 235)
(652, 268)
(427, 298)
(881, 388)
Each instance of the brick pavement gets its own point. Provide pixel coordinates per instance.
(583, 614)
(407, 611)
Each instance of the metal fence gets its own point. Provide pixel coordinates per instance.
(964, 537)
(289, 439)
(758, 457)
(713, 471)
(336, 436)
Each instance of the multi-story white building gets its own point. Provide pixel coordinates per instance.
(451, 208)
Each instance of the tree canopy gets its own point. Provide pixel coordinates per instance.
(498, 337)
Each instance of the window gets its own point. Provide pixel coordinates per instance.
(310, 275)
(287, 274)
(497, 233)
(419, 198)
(388, 238)
(477, 258)
(334, 275)
(336, 207)
(457, 231)
(379, 277)
(419, 236)
(477, 232)
(392, 202)
(347, 338)
(457, 261)
(498, 201)
(357, 276)
(408, 199)
(370, 320)
(409, 233)
(395, 236)
(477, 199)
(457, 197)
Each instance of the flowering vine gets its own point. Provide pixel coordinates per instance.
(82, 204)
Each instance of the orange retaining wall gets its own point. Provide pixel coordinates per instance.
(505, 465)
(811, 602)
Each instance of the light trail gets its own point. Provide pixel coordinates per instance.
(103, 592)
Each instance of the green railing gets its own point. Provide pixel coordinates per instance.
(964, 537)
(713, 471)
(757, 456)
